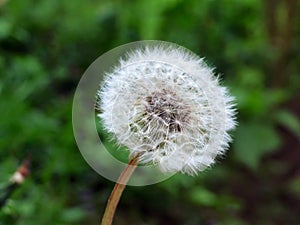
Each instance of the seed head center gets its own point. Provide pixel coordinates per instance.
(167, 109)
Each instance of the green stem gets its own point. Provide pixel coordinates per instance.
(117, 192)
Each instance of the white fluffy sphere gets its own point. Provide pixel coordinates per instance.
(166, 105)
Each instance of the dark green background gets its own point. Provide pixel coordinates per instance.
(45, 46)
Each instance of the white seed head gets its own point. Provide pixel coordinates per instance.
(166, 105)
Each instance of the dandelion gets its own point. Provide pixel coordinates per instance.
(166, 106)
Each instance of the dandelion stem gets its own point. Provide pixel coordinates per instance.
(117, 191)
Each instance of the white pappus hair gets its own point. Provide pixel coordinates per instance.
(166, 105)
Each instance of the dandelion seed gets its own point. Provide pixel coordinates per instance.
(167, 107)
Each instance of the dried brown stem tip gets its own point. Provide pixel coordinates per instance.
(14, 182)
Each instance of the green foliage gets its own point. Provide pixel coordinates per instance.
(290, 121)
(45, 47)
(203, 196)
(253, 141)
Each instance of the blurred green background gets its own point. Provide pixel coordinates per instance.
(45, 46)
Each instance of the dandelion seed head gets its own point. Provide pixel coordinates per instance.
(166, 105)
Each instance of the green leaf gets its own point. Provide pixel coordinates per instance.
(294, 186)
(253, 141)
(73, 215)
(5, 29)
(202, 196)
(290, 121)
